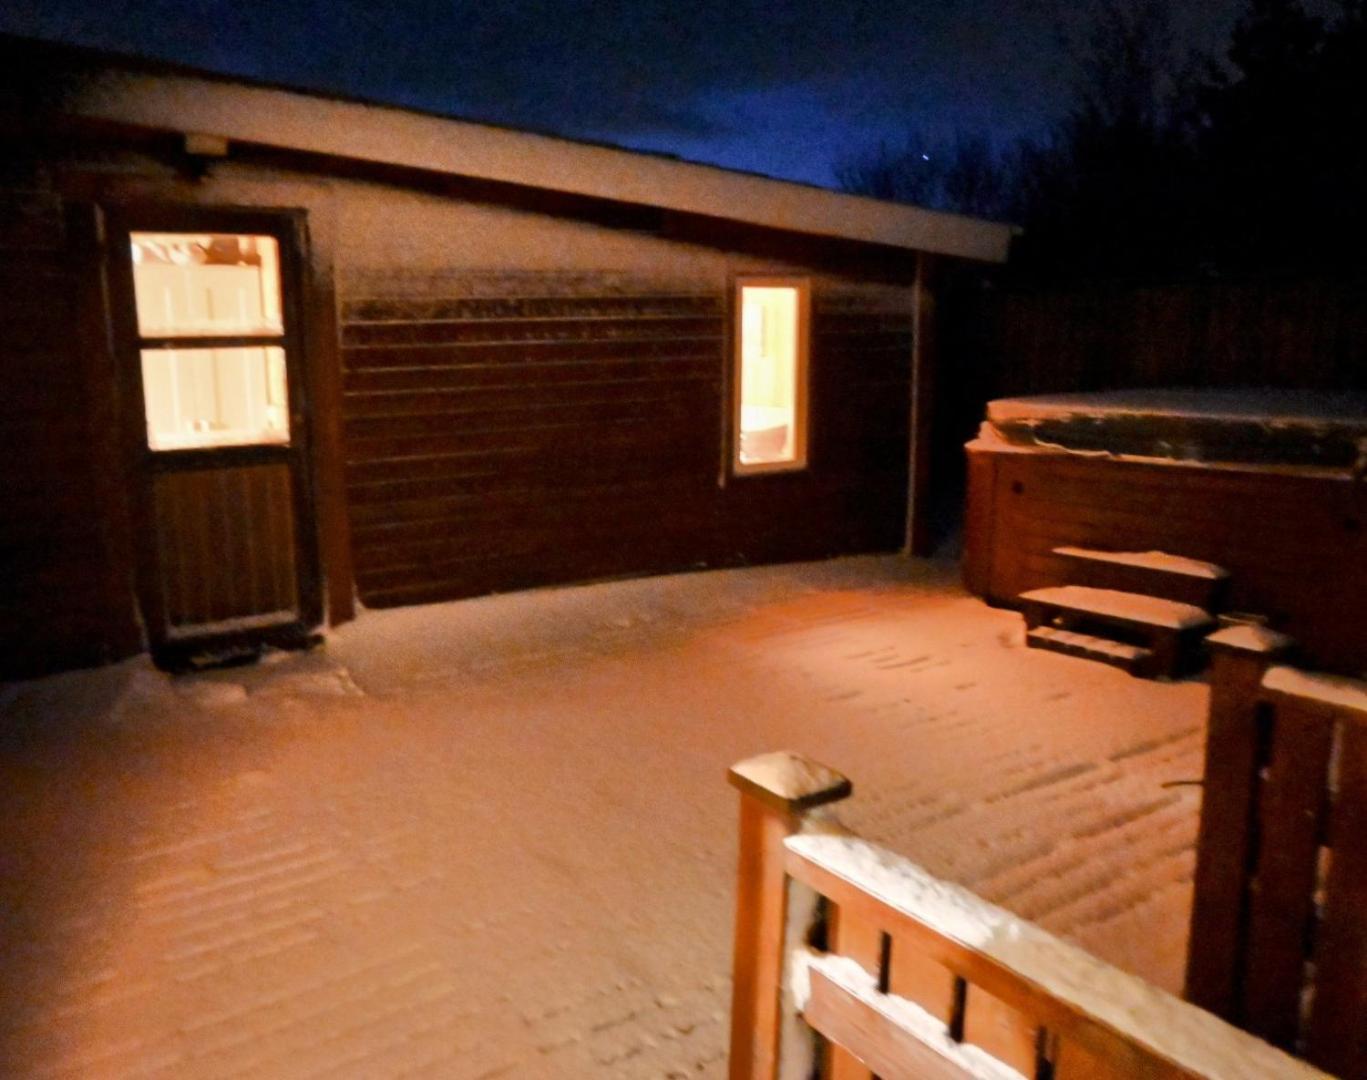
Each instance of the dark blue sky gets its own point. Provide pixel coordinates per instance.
(784, 89)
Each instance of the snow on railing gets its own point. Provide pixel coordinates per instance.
(901, 974)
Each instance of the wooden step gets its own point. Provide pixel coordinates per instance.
(1130, 609)
(1167, 629)
(1132, 658)
(1155, 573)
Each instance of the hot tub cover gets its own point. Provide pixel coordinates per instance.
(1256, 426)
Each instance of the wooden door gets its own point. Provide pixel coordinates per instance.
(208, 312)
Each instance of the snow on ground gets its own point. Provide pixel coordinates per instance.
(494, 838)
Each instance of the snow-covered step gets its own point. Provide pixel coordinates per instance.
(1132, 609)
(1131, 658)
(1167, 630)
(1154, 573)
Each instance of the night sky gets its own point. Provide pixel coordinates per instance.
(784, 89)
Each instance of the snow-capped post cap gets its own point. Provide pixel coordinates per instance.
(1250, 639)
(789, 782)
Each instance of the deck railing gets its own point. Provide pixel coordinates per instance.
(852, 961)
(1279, 916)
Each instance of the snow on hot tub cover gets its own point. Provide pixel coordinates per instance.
(1283, 427)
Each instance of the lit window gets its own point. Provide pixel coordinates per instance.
(191, 287)
(215, 397)
(770, 390)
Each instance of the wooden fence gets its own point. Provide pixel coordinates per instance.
(853, 962)
(1308, 332)
(1279, 918)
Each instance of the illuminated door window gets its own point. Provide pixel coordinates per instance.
(197, 393)
(771, 373)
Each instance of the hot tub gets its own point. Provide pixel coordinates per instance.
(1231, 426)
(1271, 485)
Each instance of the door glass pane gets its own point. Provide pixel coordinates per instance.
(207, 284)
(769, 372)
(215, 397)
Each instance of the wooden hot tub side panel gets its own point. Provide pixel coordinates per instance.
(1292, 539)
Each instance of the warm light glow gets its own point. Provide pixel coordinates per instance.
(193, 285)
(215, 397)
(770, 383)
(198, 285)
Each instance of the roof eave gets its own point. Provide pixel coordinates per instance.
(289, 120)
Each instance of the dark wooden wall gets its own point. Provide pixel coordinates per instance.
(1291, 332)
(508, 432)
(65, 580)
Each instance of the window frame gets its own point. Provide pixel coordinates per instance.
(801, 460)
(285, 339)
(298, 268)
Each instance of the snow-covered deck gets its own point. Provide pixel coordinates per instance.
(494, 838)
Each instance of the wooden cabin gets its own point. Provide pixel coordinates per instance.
(268, 353)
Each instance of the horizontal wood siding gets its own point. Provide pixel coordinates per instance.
(557, 431)
(226, 543)
(59, 601)
(1294, 543)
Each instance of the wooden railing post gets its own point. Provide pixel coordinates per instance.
(1320, 718)
(1239, 658)
(776, 792)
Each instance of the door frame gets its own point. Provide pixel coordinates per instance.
(290, 229)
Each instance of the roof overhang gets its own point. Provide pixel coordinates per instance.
(209, 105)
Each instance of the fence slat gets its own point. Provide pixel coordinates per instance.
(1075, 1063)
(918, 978)
(1338, 1025)
(1006, 1033)
(1291, 814)
(861, 941)
(893, 1051)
